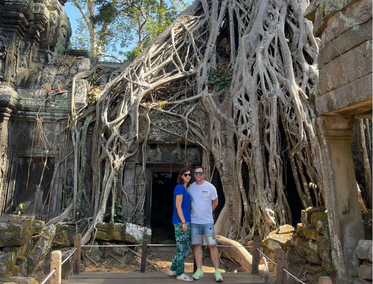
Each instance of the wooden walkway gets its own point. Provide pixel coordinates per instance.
(153, 277)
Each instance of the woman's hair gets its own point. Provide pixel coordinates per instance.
(179, 177)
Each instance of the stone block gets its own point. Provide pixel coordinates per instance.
(92, 253)
(364, 250)
(24, 280)
(7, 262)
(361, 281)
(285, 229)
(350, 66)
(121, 232)
(348, 98)
(41, 248)
(365, 272)
(65, 235)
(345, 42)
(325, 280)
(347, 17)
(16, 230)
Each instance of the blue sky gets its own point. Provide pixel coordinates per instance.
(73, 14)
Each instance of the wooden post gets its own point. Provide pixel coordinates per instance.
(281, 263)
(144, 253)
(77, 253)
(56, 259)
(255, 264)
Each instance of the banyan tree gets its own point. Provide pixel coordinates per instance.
(250, 68)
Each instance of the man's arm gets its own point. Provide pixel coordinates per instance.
(214, 204)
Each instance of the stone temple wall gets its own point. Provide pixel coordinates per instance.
(344, 94)
(36, 71)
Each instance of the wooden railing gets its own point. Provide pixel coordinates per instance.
(56, 261)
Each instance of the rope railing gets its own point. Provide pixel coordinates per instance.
(56, 262)
(157, 245)
(48, 276)
(55, 274)
(281, 267)
(71, 254)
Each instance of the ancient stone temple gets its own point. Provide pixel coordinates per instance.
(344, 95)
(36, 74)
(42, 82)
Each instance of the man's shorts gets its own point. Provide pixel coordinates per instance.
(203, 234)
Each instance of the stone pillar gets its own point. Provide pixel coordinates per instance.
(8, 101)
(345, 221)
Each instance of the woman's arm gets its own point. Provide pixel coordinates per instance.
(178, 202)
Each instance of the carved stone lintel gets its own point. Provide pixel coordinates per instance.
(338, 127)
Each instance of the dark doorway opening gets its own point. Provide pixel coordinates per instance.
(294, 201)
(32, 185)
(162, 207)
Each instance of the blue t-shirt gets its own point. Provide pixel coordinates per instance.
(185, 204)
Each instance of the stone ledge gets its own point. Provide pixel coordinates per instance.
(350, 99)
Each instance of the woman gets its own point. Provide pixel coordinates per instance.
(181, 221)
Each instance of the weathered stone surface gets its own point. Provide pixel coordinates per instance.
(15, 230)
(116, 253)
(361, 281)
(319, 221)
(351, 17)
(121, 232)
(8, 261)
(41, 248)
(65, 235)
(275, 241)
(336, 74)
(26, 280)
(353, 98)
(365, 272)
(92, 253)
(307, 233)
(285, 229)
(364, 250)
(306, 215)
(351, 38)
(21, 261)
(39, 226)
(325, 280)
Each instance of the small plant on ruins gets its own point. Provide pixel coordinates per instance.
(19, 210)
(92, 94)
(330, 270)
(117, 216)
(219, 78)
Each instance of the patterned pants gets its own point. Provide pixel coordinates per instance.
(183, 245)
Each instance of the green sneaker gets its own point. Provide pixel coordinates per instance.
(198, 274)
(218, 276)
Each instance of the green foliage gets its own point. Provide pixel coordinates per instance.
(219, 78)
(118, 215)
(330, 270)
(128, 25)
(19, 210)
(92, 94)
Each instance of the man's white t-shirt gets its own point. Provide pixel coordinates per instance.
(201, 207)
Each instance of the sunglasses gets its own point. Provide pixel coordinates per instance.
(187, 175)
(198, 173)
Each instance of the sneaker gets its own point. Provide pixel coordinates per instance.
(184, 277)
(218, 276)
(172, 273)
(198, 274)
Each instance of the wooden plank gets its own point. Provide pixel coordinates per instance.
(150, 278)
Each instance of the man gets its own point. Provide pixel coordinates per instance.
(204, 201)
